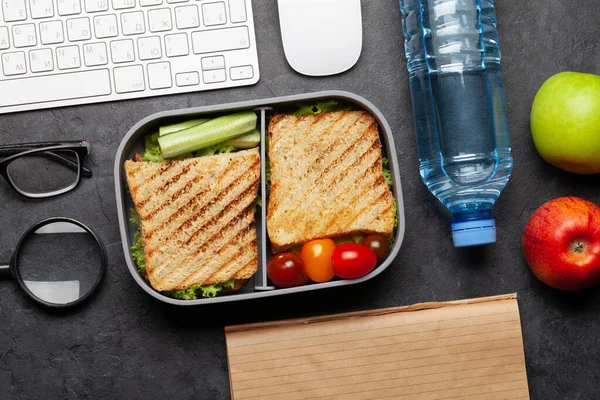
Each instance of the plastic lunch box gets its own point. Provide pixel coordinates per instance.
(258, 285)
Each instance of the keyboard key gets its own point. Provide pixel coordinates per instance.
(4, 39)
(177, 1)
(218, 75)
(105, 26)
(187, 79)
(220, 40)
(69, 7)
(41, 8)
(13, 64)
(122, 51)
(24, 35)
(51, 32)
(147, 3)
(159, 75)
(67, 57)
(209, 63)
(92, 6)
(243, 72)
(56, 87)
(129, 79)
(160, 20)
(95, 54)
(132, 23)
(41, 60)
(149, 48)
(176, 45)
(123, 4)
(214, 14)
(237, 11)
(187, 17)
(14, 10)
(78, 29)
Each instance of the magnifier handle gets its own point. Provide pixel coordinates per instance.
(4, 270)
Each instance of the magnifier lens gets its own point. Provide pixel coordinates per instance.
(59, 263)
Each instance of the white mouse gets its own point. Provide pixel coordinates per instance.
(321, 37)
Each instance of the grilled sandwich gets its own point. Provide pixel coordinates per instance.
(197, 218)
(326, 179)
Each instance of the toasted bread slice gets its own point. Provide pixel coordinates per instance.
(326, 178)
(197, 218)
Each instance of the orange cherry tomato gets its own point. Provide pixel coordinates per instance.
(316, 256)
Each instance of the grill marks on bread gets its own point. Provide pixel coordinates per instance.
(197, 218)
(327, 179)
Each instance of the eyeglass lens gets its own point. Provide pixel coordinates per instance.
(44, 172)
(59, 263)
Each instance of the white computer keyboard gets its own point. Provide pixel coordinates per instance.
(66, 52)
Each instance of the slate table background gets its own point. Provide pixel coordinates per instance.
(125, 345)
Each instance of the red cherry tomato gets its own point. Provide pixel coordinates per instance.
(351, 261)
(379, 244)
(287, 270)
(316, 255)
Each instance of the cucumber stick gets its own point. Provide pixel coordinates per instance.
(165, 130)
(246, 141)
(213, 132)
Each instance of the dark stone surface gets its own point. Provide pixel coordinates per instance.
(123, 344)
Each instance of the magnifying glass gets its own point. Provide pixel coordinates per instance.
(58, 262)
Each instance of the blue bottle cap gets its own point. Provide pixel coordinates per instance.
(474, 232)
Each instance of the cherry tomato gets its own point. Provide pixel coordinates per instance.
(379, 244)
(316, 255)
(351, 261)
(287, 270)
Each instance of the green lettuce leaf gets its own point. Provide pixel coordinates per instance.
(319, 108)
(257, 203)
(137, 253)
(216, 149)
(211, 290)
(185, 294)
(230, 284)
(152, 150)
(183, 157)
(387, 174)
(135, 218)
(137, 247)
(208, 291)
(392, 238)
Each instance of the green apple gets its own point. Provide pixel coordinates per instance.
(565, 122)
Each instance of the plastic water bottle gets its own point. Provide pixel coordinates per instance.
(453, 58)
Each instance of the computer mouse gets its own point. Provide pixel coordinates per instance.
(321, 37)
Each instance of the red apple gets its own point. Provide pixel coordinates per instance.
(561, 242)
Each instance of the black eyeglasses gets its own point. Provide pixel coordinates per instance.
(42, 170)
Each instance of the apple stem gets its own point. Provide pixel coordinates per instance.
(578, 246)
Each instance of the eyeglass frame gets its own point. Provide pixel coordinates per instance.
(81, 148)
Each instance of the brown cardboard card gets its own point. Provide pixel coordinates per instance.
(470, 349)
